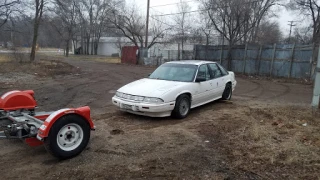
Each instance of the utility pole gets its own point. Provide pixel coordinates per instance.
(291, 24)
(316, 90)
(147, 24)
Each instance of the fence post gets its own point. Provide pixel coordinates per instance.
(273, 56)
(259, 59)
(221, 54)
(291, 60)
(311, 60)
(244, 58)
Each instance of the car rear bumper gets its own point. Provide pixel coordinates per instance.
(146, 109)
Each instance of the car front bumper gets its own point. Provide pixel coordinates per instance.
(146, 109)
(234, 83)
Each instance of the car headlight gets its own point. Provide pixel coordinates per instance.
(153, 100)
(138, 98)
(119, 94)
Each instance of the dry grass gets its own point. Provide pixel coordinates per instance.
(46, 64)
(6, 57)
(276, 142)
(56, 56)
(96, 58)
(11, 63)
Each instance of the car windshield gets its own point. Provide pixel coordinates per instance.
(175, 72)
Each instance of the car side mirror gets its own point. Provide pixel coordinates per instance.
(200, 79)
(149, 74)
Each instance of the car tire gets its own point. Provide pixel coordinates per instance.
(182, 107)
(227, 93)
(68, 136)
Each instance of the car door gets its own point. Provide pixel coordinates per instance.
(216, 81)
(202, 89)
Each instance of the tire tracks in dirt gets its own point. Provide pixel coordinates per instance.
(285, 92)
(259, 86)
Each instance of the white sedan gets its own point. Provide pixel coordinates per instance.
(176, 87)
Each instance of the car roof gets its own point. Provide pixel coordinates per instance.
(194, 62)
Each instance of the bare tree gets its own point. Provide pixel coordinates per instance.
(268, 33)
(131, 25)
(39, 8)
(66, 20)
(7, 7)
(93, 22)
(235, 20)
(311, 9)
(303, 35)
(183, 24)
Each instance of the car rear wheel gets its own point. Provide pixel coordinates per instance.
(227, 93)
(182, 107)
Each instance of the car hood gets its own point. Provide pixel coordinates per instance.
(150, 87)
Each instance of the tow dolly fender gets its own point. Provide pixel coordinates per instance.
(84, 112)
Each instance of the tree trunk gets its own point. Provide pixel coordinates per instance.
(74, 46)
(229, 58)
(96, 44)
(34, 41)
(92, 45)
(182, 54)
(37, 19)
(88, 45)
(67, 48)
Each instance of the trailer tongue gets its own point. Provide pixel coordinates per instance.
(64, 133)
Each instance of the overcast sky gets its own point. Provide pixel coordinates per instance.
(156, 8)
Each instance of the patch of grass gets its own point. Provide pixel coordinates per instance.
(40, 68)
(80, 57)
(268, 141)
(6, 57)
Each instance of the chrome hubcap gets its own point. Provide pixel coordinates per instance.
(184, 107)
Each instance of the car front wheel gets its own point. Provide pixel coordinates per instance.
(182, 107)
(227, 93)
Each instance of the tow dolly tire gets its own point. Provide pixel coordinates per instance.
(71, 123)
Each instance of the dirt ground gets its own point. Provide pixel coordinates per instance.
(266, 132)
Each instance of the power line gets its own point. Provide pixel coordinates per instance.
(162, 22)
(171, 4)
(199, 10)
(187, 12)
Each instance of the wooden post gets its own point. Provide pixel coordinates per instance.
(221, 54)
(311, 60)
(259, 59)
(273, 56)
(291, 60)
(244, 58)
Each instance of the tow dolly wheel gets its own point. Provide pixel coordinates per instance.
(68, 136)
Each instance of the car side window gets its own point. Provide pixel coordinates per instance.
(223, 70)
(215, 71)
(203, 72)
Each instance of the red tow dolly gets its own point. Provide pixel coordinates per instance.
(64, 133)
